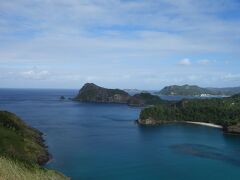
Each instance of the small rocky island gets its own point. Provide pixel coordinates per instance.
(220, 111)
(22, 150)
(93, 93)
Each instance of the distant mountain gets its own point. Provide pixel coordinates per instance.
(225, 91)
(186, 90)
(93, 93)
(137, 91)
(134, 91)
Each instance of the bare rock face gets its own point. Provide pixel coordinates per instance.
(93, 93)
(233, 129)
(148, 121)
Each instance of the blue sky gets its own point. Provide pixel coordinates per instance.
(144, 44)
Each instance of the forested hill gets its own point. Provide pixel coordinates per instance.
(192, 90)
(185, 90)
(92, 93)
(220, 111)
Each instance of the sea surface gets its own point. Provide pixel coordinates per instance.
(102, 142)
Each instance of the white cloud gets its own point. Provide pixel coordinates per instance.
(86, 29)
(82, 38)
(231, 77)
(204, 61)
(35, 74)
(185, 62)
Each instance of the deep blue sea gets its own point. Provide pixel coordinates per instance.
(102, 142)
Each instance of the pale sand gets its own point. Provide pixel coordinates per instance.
(205, 124)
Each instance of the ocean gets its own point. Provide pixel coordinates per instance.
(103, 142)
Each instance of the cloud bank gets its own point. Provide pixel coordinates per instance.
(102, 41)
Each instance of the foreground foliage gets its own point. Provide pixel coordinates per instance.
(16, 170)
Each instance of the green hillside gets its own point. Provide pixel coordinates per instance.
(144, 99)
(22, 150)
(93, 93)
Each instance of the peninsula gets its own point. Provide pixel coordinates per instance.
(224, 112)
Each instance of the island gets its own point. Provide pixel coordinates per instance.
(193, 90)
(22, 151)
(185, 90)
(223, 112)
(91, 92)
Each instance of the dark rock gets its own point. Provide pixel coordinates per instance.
(233, 129)
(62, 98)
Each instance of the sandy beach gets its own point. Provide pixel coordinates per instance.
(205, 124)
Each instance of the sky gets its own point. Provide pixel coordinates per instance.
(143, 44)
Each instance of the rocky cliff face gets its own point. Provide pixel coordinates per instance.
(93, 93)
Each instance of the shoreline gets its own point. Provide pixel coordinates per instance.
(205, 124)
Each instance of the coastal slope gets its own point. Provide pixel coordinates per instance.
(21, 148)
(220, 111)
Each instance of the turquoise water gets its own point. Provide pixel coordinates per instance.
(101, 141)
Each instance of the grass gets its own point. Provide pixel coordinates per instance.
(16, 170)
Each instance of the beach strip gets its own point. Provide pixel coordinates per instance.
(205, 124)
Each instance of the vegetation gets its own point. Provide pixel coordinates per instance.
(17, 170)
(144, 99)
(221, 111)
(185, 90)
(20, 141)
(22, 150)
(225, 91)
(188, 90)
(93, 93)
